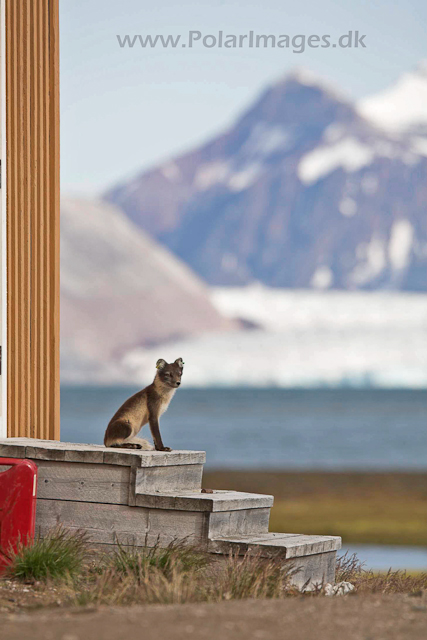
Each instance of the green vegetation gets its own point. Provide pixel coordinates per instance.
(175, 556)
(63, 570)
(375, 508)
(58, 555)
(252, 577)
(356, 521)
(168, 576)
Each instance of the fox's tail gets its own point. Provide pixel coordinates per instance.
(145, 445)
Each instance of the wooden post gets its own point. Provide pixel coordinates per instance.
(32, 215)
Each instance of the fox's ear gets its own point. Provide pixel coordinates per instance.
(160, 364)
(180, 362)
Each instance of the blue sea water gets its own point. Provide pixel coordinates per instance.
(385, 557)
(345, 429)
(357, 429)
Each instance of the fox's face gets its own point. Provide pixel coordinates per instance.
(170, 374)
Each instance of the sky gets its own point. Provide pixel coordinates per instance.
(124, 109)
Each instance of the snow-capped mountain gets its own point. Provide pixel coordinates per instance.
(402, 108)
(121, 290)
(302, 191)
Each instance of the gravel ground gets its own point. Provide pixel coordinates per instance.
(374, 617)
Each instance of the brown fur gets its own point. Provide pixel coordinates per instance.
(144, 407)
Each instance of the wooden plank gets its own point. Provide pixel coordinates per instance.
(153, 458)
(243, 522)
(88, 455)
(12, 450)
(125, 458)
(131, 488)
(26, 417)
(46, 453)
(197, 501)
(160, 458)
(32, 201)
(314, 570)
(107, 523)
(103, 522)
(309, 572)
(272, 544)
(81, 452)
(177, 478)
(304, 545)
(83, 482)
(54, 220)
(177, 525)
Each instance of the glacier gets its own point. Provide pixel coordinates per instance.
(302, 338)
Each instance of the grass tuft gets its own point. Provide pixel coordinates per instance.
(59, 554)
(251, 576)
(176, 556)
(350, 569)
(65, 570)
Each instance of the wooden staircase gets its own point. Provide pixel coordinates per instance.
(146, 497)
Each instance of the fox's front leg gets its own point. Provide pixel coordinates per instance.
(155, 432)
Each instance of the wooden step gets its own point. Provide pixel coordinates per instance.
(218, 500)
(227, 512)
(147, 470)
(143, 498)
(311, 559)
(287, 545)
(95, 453)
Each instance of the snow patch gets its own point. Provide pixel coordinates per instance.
(419, 145)
(348, 207)
(333, 133)
(373, 261)
(244, 178)
(322, 278)
(171, 171)
(306, 76)
(349, 153)
(210, 174)
(399, 248)
(401, 107)
(273, 139)
(386, 149)
(309, 78)
(265, 139)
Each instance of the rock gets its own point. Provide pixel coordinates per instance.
(340, 589)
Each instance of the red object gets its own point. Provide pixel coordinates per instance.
(18, 495)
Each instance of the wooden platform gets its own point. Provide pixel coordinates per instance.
(144, 497)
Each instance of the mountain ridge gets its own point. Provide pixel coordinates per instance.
(121, 290)
(302, 191)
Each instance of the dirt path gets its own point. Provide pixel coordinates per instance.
(349, 618)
